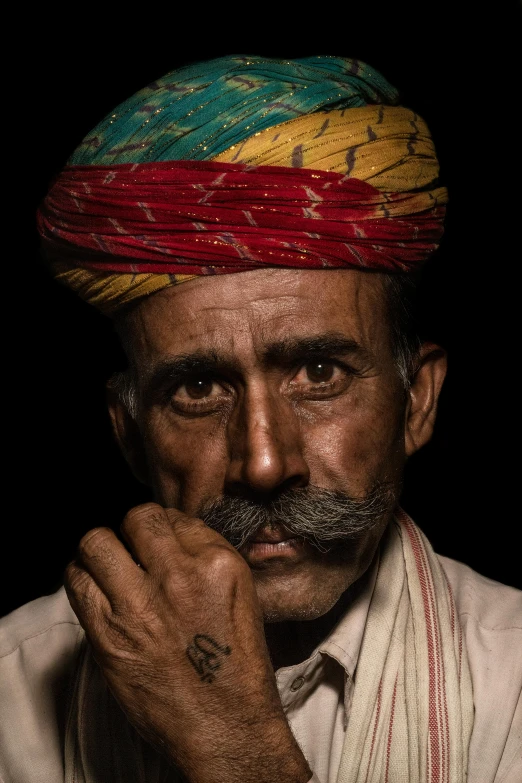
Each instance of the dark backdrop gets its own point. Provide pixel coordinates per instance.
(64, 474)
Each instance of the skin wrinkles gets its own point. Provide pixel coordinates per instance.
(285, 353)
(267, 435)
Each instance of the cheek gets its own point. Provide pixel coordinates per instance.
(187, 464)
(355, 447)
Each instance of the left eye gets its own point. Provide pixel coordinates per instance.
(318, 372)
(197, 389)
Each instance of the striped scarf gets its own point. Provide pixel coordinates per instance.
(412, 709)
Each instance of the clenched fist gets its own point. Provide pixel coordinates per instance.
(176, 627)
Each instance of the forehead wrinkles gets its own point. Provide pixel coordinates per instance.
(239, 323)
(188, 324)
(230, 330)
(358, 306)
(253, 325)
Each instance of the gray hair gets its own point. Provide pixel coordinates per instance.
(324, 518)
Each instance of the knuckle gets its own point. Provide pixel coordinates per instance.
(222, 560)
(143, 511)
(152, 516)
(75, 579)
(81, 590)
(182, 521)
(95, 541)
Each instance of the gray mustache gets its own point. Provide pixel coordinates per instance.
(320, 516)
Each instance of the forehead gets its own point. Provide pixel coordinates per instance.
(237, 315)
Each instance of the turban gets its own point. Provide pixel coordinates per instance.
(239, 163)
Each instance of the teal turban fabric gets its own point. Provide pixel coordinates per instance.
(196, 112)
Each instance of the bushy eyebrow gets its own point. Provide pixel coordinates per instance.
(293, 350)
(175, 368)
(281, 353)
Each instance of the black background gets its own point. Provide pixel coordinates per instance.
(63, 473)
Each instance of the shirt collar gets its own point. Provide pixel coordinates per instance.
(343, 643)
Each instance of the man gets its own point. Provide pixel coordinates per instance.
(254, 227)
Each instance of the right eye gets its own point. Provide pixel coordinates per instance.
(197, 389)
(199, 394)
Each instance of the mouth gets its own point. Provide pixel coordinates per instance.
(268, 543)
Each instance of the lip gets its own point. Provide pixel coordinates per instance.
(273, 543)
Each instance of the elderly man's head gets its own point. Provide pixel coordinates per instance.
(253, 226)
(253, 392)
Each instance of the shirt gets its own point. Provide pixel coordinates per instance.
(39, 644)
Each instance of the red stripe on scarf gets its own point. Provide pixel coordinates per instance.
(198, 217)
(375, 725)
(437, 709)
(390, 732)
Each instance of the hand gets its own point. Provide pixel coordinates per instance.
(180, 641)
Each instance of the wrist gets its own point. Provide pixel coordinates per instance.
(262, 754)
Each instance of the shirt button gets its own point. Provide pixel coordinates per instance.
(297, 683)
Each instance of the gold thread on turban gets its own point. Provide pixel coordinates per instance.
(389, 147)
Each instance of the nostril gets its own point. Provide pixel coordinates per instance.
(294, 482)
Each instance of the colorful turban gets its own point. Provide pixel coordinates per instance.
(239, 163)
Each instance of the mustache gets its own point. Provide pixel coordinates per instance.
(322, 517)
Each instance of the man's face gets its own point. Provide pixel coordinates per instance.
(255, 383)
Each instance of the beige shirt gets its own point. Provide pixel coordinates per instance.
(38, 645)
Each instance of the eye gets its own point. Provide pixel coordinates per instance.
(197, 388)
(320, 371)
(320, 379)
(199, 394)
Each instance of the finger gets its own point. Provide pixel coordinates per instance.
(194, 536)
(152, 534)
(104, 558)
(87, 600)
(206, 549)
(157, 535)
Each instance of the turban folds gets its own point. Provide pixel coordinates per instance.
(240, 163)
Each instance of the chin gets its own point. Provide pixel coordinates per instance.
(309, 589)
(295, 600)
(278, 614)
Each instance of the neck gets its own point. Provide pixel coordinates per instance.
(293, 641)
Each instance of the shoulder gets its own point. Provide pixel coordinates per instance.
(37, 648)
(37, 620)
(492, 605)
(39, 643)
(490, 615)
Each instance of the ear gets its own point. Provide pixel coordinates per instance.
(423, 397)
(128, 436)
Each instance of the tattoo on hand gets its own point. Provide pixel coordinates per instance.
(205, 655)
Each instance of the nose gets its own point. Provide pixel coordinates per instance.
(265, 446)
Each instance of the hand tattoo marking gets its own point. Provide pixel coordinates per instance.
(204, 654)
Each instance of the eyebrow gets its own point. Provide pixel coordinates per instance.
(176, 367)
(289, 351)
(281, 353)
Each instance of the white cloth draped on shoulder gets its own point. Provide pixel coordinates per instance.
(412, 709)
